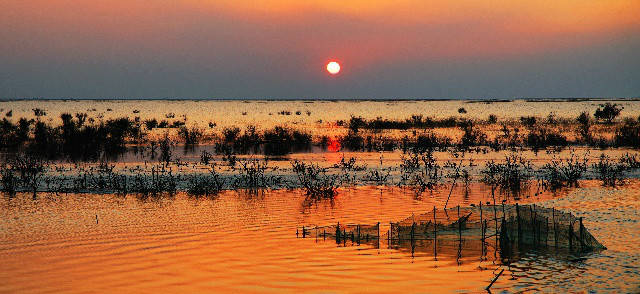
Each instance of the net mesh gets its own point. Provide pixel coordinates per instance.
(504, 225)
(514, 224)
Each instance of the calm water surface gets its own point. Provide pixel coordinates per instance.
(246, 243)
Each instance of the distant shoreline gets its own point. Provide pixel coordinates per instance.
(476, 100)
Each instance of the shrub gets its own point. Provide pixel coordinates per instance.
(609, 172)
(559, 173)
(151, 124)
(281, 141)
(628, 134)
(608, 112)
(315, 180)
(208, 184)
(472, 136)
(584, 127)
(492, 119)
(512, 175)
(191, 136)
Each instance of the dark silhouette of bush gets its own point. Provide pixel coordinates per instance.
(492, 119)
(191, 136)
(13, 136)
(628, 134)
(608, 112)
(584, 127)
(472, 136)
(430, 141)
(281, 141)
(352, 141)
(151, 124)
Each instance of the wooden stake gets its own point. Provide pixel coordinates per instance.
(495, 279)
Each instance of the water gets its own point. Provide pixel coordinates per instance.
(246, 243)
(239, 242)
(265, 113)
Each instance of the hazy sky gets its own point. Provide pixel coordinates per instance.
(252, 49)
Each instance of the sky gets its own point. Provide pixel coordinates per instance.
(278, 49)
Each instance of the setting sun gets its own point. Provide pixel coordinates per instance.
(333, 67)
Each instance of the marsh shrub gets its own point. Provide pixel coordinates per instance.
(249, 141)
(230, 134)
(281, 141)
(512, 175)
(609, 172)
(628, 134)
(492, 119)
(352, 141)
(430, 141)
(191, 136)
(204, 185)
(14, 136)
(315, 180)
(630, 161)
(564, 172)
(584, 127)
(608, 112)
(252, 175)
(472, 136)
(22, 171)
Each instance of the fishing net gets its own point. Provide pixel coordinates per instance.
(355, 233)
(510, 224)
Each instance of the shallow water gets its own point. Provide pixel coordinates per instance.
(239, 242)
(247, 243)
(265, 113)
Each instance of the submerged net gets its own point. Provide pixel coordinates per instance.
(470, 230)
(508, 224)
(355, 233)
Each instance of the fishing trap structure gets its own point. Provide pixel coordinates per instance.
(503, 227)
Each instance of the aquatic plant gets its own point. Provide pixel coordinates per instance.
(208, 184)
(352, 141)
(160, 181)
(315, 180)
(630, 161)
(252, 175)
(205, 157)
(608, 112)
(349, 164)
(27, 169)
(190, 136)
(512, 175)
(584, 127)
(564, 172)
(281, 141)
(165, 149)
(608, 171)
(628, 134)
(472, 136)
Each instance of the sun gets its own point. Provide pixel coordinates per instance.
(333, 67)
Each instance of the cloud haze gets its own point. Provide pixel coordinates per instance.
(277, 49)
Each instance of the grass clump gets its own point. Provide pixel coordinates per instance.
(315, 180)
(252, 175)
(512, 175)
(564, 172)
(205, 185)
(281, 141)
(608, 112)
(608, 171)
(628, 134)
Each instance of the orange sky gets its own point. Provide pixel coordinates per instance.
(360, 33)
